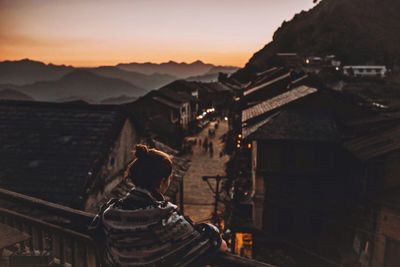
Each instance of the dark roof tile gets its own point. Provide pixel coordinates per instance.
(297, 125)
(48, 150)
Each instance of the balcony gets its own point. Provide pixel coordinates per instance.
(58, 234)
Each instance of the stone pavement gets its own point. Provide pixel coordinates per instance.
(198, 198)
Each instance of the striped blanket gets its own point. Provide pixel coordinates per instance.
(142, 229)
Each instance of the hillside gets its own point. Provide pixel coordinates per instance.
(212, 74)
(180, 70)
(10, 94)
(357, 31)
(119, 100)
(151, 81)
(24, 72)
(27, 71)
(143, 75)
(81, 84)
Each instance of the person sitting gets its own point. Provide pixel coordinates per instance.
(143, 229)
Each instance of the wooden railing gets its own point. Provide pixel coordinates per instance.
(229, 259)
(54, 213)
(68, 246)
(65, 246)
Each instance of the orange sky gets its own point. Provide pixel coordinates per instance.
(92, 33)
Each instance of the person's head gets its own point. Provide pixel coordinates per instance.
(151, 169)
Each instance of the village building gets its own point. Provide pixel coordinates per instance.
(215, 95)
(377, 242)
(70, 153)
(295, 178)
(365, 71)
(164, 115)
(60, 163)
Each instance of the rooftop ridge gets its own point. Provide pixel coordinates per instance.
(277, 101)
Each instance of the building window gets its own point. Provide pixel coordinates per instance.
(183, 109)
(244, 244)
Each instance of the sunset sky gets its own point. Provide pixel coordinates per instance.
(89, 32)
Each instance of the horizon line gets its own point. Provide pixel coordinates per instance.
(115, 65)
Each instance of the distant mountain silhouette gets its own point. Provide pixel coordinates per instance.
(10, 94)
(152, 81)
(148, 76)
(357, 31)
(27, 71)
(80, 84)
(180, 70)
(119, 100)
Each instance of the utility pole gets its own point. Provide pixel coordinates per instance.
(216, 191)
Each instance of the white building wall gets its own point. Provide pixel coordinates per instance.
(185, 115)
(365, 71)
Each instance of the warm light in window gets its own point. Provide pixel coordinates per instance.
(244, 244)
(249, 146)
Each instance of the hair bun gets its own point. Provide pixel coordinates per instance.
(141, 151)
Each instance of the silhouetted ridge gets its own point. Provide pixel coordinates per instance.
(357, 31)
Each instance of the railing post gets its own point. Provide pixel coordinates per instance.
(30, 242)
(73, 253)
(40, 240)
(61, 250)
(53, 245)
(85, 256)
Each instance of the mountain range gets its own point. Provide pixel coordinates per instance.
(180, 70)
(49, 82)
(78, 85)
(356, 31)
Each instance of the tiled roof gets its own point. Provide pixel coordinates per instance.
(249, 129)
(268, 71)
(376, 144)
(268, 75)
(299, 80)
(297, 125)
(216, 87)
(276, 102)
(166, 102)
(173, 96)
(51, 150)
(178, 85)
(256, 88)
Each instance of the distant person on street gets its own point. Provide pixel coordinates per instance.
(205, 144)
(211, 149)
(143, 229)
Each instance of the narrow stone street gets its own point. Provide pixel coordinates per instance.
(198, 198)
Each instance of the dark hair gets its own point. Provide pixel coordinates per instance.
(149, 168)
